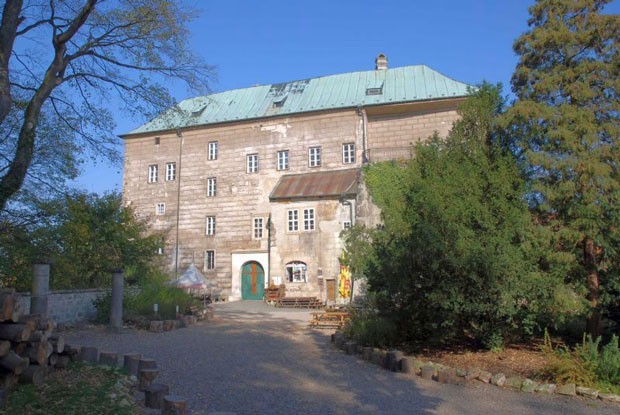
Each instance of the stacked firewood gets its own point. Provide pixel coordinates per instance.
(29, 349)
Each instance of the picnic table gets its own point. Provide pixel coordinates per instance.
(329, 319)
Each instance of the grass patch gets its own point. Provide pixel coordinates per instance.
(78, 390)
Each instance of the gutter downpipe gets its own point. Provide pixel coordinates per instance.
(269, 251)
(362, 112)
(176, 250)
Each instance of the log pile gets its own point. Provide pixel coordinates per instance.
(29, 349)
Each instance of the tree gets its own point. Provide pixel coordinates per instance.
(73, 62)
(566, 121)
(87, 235)
(458, 257)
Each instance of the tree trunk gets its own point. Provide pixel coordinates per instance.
(8, 30)
(593, 322)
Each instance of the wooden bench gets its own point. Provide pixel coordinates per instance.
(273, 293)
(329, 320)
(299, 302)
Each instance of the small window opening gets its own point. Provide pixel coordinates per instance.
(374, 91)
(280, 103)
(156, 141)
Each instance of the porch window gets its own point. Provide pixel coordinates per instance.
(296, 271)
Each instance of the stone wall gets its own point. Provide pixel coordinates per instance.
(70, 306)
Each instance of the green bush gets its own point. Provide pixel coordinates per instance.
(585, 364)
(153, 291)
(368, 328)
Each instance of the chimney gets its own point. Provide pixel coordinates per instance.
(381, 63)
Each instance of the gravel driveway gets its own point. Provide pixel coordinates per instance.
(254, 359)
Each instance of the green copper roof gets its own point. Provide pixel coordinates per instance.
(397, 85)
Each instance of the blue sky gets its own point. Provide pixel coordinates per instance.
(269, 41)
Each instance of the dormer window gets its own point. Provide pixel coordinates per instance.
(374, 91)
(279, 103)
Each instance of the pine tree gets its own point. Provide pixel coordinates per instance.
(566, 120)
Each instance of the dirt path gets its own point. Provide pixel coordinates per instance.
(254, 359)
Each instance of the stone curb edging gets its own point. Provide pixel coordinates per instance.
(396, 361)
(141, 374)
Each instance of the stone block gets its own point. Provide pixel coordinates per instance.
(351, 348)
(484, 376)
(514, 383)
(568, 390)
(406, 365)
(448, 376)
(393, 358)
(499, 379)
(609, 397)
(546, 388)
(587, 392)
(472, 374)
(529, 386)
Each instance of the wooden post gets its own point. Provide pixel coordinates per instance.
(154, 395)
(174, 405)
(131, 362)
(116, 307)
(108, 358)
(147, 376)
(146, 363)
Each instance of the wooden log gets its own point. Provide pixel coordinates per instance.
(131, 362)
(14, 363)
(53, 359)
(20, 347)
(58, 341)
(89, 354)
(146, 363)
(146, 377)
(33, 374)
(39, 353)
(109, 358)
(15, 332)
(38, 336)
(5, 346)
(154, 395)
(12, 307)
(62, 362)
(169, 325)
(156, 326)
(47, 325)
(174, 405)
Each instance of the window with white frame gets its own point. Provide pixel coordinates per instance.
(210, 225)
(160, 209)
(171, 171)
(293, 220)
(296, 271)
(211, 187)
(314, 156)
(210, 259)
(257, 228)
(252, 164)
(348, 153)
(212, 150)
(283, 160)
(309, 219)
(153, 173)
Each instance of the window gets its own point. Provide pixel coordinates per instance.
(160, 251)
(314, 156)
(293, 220)
(308, 219)
(210, 260)
(257, 228)
(212, 150)
(210, 225)
(160, 209)
(153, 173)
(170, 171)
(211, 187)
(157, 141)
(296, 272)
(348, 153)
(252, 163)
(283, 160)
(346, 225)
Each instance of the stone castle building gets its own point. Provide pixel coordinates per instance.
(254, 185)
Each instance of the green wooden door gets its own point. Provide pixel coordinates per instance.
(252, 281)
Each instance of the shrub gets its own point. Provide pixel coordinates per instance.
(368, 328)
(138, 306)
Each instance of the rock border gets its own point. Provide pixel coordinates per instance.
(397, 361)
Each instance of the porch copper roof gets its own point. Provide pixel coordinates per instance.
(318, 185)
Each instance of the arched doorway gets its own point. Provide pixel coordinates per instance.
(252, 281)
